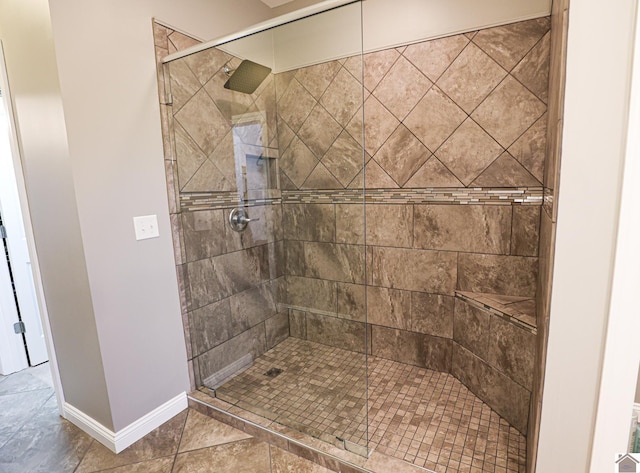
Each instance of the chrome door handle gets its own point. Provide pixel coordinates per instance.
(238, 219)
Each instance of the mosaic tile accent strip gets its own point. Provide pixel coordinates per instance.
(221, 200)
(520, 311)
(445, 195)
(547, 203)
(421, 416)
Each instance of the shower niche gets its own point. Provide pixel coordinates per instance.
(381, 293)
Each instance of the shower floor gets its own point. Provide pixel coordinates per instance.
(424, 417)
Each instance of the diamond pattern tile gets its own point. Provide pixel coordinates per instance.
(402, 155)
(344, 159)
(319, 131)
(435, 118)
(376, 66)
(433, 174)
(468, 151)
(343, 97)
(506, 172)
(203, 121)
(471, 77)
(402, 88)
(510, 99)
(297, 162)
(508, 44)
(533, 70)
(434, 57)
(295, 105)
(317, 78)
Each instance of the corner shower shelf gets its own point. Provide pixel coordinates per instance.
(520, 311)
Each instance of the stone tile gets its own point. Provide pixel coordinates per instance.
(468, 151)
(533, 70)
(432, 314)
(201, 431)
(282, 81)
(434, 57)
(433, 174)
(250, 307)
(511, 275)
(298, 162)
(158, 443)
(16, 408)
(203, 121)
(505, 172)
(508, 111)
(379, 124)
(319, 131)
(160, 34)
(229, 102)
(207, 63)
(310, 222)
(189, 156)
(530, 148)
(503, 395)
(512, 350)
(376, 177)
(335, 262)
(434, 119)
(203, 234)
(277, 329)
(471, 328)
(389, 225)
(252, 342)
(471, 77)
(285, 462)
(376, 66)
(389, 307)
(317, 78)
(311, 293)
(297, 324)
(184, 84)
(181, 41)
(352, 301)
(321, 178)
(224, 158)
(294, 255)
(508, 44)
(160, 465)
(525, 230)
(208, 177)
(266, 228)
(402, 155)
(343, 98)
(336, 332)
(44, 449)
(295, 105)
(212, 325)
(414, 270)
(344, 159)
(469, 228)
(24, 381)
(402, 87)
(411, 348)
(246, 456)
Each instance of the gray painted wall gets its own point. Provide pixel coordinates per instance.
(25, 30)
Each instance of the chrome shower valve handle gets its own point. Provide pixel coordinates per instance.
(238, 219)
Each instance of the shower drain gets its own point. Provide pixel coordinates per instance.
(273, 372)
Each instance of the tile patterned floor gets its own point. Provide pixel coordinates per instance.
(35, 439)
(422, 416)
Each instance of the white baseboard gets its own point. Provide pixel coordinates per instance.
(118, 441)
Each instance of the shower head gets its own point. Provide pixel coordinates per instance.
(247, 77)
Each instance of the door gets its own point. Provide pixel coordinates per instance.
(16, 268)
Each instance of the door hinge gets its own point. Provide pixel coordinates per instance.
(3, 232)
(19, 327)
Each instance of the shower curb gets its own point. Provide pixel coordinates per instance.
(378, 463)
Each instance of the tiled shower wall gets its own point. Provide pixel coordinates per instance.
(229, 281)
(458, 120)
(441, 119)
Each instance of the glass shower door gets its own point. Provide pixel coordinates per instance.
(269, 148)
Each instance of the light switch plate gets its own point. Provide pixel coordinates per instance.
(146, 226)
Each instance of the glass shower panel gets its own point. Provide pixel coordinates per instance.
(269, 150)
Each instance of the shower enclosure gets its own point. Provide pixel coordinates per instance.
(357, 232)
(270, 166)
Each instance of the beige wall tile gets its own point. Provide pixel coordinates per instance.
(412, 348)
(507, 275)
(469, 228)
(389, 225)
(432, 314)
(471, 328)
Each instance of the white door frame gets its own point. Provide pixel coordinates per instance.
(16, 148)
